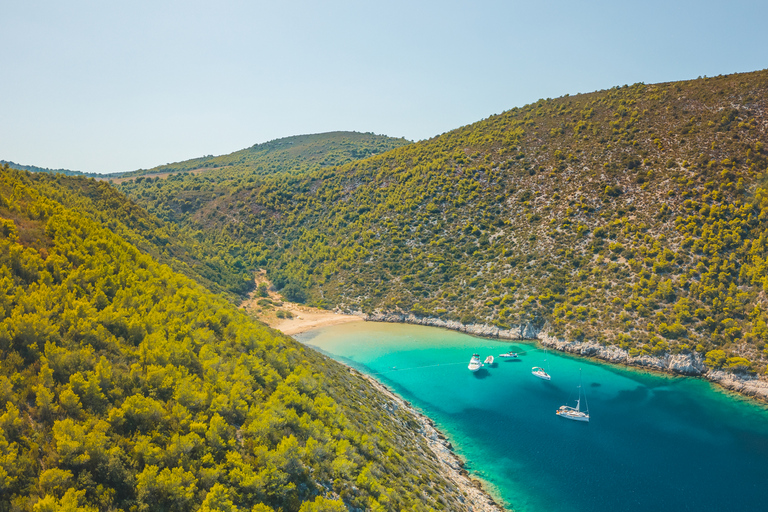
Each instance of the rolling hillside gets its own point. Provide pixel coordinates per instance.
(631, 217)
(296, 154)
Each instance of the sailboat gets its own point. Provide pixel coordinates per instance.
(539, 372)
(474, 363)
(575, 413)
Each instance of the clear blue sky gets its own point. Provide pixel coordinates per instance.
(120, 85)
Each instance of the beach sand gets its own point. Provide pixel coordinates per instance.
(302, 318)
(306, 319)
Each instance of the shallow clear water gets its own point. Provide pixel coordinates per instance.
(653, 442)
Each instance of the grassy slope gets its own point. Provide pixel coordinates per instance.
(632, 216)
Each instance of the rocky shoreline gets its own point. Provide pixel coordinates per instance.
(477, 499)
(691, 364)
(521, 332)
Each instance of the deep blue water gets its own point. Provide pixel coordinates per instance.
(653, 442)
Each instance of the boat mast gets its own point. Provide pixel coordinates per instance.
(585, 395)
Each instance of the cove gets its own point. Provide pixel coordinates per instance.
(654, 442)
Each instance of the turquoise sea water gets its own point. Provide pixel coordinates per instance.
(653, 442)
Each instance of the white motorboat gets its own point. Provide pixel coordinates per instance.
(488, 360)
(509, 354)
(474, 363)
(575, 413)
(539, 372)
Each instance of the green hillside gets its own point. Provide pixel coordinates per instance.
(290, 154)
(220, 255)
(127, 386)
(632, 216)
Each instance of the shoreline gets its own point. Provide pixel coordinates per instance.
(477, 492)
(690, 365)
(478, 498)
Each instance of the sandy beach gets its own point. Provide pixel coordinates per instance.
(289, 317)
(306, 319)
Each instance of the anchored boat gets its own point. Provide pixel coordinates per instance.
(539, 372)
(575, 413)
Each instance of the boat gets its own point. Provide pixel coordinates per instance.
(575, 413)
(488, 360)
(539, 372)
(474, 363)
(509, 354)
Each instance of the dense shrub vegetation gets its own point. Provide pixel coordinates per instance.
(127, 386)
(633, 216)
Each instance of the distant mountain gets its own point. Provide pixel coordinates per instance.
(633, 217)
(291, 154)
(33, 168)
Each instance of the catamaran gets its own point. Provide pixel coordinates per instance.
(575, 413)
(474, 363)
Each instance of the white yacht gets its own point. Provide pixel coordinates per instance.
(575, 413)
(474, 363)
(539, 371)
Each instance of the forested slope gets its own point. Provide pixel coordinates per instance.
(127, 386)
(634, 216)
(220, 255)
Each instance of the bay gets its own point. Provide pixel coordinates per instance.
(654, 442)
